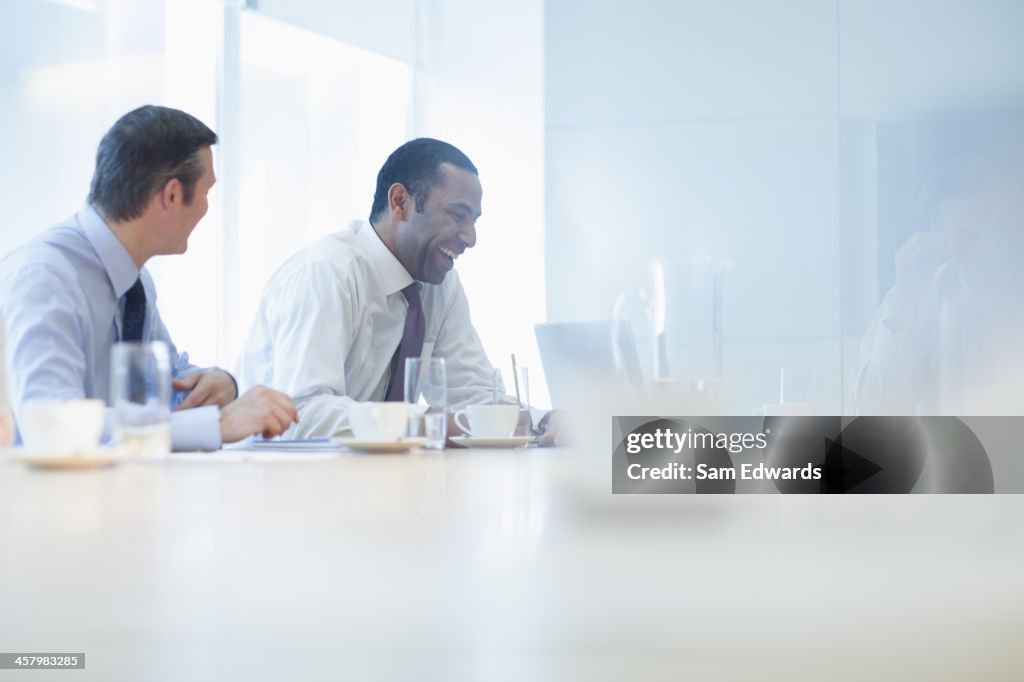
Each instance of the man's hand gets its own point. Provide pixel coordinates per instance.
(215, 387)
(261, 410)
(553, 431)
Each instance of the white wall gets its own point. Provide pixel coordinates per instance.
(908, 56)
(387, 27)
(65, 76)
(683, 129)
(744, 130)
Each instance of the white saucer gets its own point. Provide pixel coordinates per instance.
(491, 441)
(96, 458)
(392, 446)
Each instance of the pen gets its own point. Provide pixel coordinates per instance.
(515, 379)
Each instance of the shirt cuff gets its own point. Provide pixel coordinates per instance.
(238, 393)
(196, 429)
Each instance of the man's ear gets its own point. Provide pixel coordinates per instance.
(172, 193)
(400, 202)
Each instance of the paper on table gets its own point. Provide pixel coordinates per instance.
(301, 444)
(240, 456)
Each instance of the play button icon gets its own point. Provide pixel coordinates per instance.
(867, 455)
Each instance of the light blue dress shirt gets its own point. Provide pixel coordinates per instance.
(61, 296)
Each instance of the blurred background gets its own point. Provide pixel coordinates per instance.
(772, 157)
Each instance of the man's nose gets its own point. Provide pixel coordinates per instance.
(468, 235)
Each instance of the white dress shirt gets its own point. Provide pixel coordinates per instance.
(330, 320)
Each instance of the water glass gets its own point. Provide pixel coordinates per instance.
(426, 390)
(140, 395)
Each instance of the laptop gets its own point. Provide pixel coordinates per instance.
(577, 356)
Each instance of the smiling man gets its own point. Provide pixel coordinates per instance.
(338, 319)
(77, 289)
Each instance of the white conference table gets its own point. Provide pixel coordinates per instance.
(494, 565)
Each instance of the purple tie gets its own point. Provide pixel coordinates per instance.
(412, 341)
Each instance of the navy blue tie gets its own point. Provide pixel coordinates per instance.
(134, 312)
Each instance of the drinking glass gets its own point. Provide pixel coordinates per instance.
(426, 390)
(140, 395)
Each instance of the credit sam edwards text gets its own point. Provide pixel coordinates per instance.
(706, 472)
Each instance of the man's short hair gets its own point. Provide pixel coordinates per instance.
(416, 165)
(141, 153)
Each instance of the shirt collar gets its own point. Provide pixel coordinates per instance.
(121, 269)
(392, 273)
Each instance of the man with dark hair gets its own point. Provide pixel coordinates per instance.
(417, 166)
(338, 319)
(75, 290)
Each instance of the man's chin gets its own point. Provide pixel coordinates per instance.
(174, 250)
(432, 274)
(434, 277)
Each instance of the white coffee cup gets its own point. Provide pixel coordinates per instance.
(61, 426)
(379, 421)
(489, 421)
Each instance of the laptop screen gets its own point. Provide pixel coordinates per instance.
(578, 356)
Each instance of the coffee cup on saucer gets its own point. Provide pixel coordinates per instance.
(488, 421)
(64, 426)
(379, 421)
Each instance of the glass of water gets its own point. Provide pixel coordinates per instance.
(426, 390)
(140, 395)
